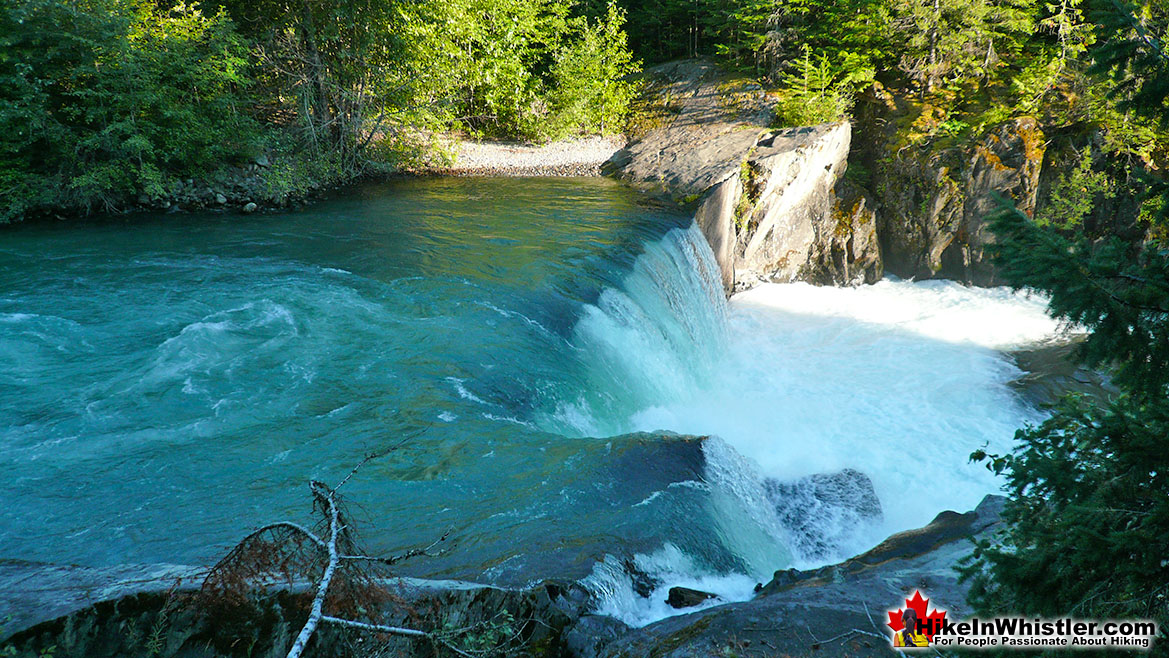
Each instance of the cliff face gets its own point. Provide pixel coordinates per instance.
(765, 199)
(774, 207)
(934, 201)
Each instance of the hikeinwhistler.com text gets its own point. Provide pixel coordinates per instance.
(1024, 633)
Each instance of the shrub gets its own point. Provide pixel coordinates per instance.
(104, 99)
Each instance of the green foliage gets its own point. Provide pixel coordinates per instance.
(956, 41)
(323, 69)
(1134, 52)
(815, 94)
(103, 99)
(516, 68)
(9, 651)
(590, 90)
(738, 28)
(1087, 523)
(1075, 194)
(971, 64)
(491, 637)
(475, 60)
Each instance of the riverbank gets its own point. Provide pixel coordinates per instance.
(571, 157)
(273, 182)
(838, 608)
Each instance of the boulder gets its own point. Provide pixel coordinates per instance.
(591, 634)
(825, 512)
(834, 611)
(684, 597)
(764, 198)
(35, 592)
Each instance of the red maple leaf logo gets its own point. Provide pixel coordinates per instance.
(930, 623)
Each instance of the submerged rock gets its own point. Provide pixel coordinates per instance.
(824, 511)
(684, 597)
(643, 583)
(1052, 371)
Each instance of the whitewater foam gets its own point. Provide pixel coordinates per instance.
(612, 584)
(997, 318)
(899, 380)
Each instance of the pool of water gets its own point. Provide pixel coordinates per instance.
(169, 382)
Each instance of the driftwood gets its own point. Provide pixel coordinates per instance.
(346, 582)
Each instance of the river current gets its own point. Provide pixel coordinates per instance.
(169, 382)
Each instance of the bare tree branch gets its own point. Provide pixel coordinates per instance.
(379, 628)
(394, 559)
(342, 583)
(317, 610)
(397, 630)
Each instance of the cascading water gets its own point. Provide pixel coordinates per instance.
(656, 335)
(185, 376)
(812, 394)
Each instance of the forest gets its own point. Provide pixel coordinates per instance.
(105, 102)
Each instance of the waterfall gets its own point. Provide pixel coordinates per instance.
(657, 336)
(838, 415)
(523, 327)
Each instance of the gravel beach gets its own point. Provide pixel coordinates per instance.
(576, 157)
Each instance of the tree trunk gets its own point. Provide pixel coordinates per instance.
(322, 114)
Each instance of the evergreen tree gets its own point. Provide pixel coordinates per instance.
(1087, 523)
(958, 40)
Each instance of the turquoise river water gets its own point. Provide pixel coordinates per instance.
(169, 382)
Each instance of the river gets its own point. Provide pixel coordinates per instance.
(168, 382)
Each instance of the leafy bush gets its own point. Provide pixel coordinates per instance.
(515, 68)
(104, 99)
(590, 92)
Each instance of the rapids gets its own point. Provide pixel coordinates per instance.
(168, 382)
